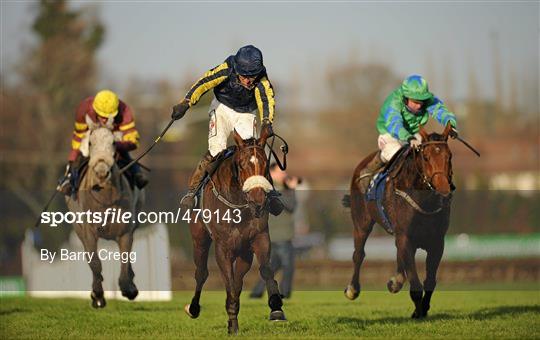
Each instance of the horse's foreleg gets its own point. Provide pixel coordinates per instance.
(406, 253)
(125, 281)
(433, 260)
(201, 248)
(225, 260)
(89, 241)
(241, 267)
(261, 248)
(363, 225)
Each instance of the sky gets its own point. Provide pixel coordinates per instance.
(302, 40)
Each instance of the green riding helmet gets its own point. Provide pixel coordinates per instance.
(415, 87)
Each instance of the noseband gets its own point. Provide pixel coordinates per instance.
(235, 174)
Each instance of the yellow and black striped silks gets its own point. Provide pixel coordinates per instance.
(211, 79)
(264, 95)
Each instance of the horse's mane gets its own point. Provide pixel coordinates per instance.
(403, 162)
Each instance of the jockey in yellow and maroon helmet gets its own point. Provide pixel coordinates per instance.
(107, 110)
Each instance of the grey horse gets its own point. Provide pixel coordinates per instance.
(102, 187)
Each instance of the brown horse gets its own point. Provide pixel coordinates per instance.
(417, 201)
(240, 183)
(103, 187)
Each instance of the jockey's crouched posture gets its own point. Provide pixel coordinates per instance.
(104, 109)
(241, 86)
(404, 111)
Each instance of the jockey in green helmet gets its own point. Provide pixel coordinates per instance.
(403, 112)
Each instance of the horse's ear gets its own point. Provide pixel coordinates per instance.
(264, 136)
(238, 139)
(424, 134)
(91, 124)
(447, 130)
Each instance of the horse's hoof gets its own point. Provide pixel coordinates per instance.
(233, 327)
(351, 293)
(98, 302)
(418, 315)
(130, 294)
(277, 315)
(192, 310)
(393, 285)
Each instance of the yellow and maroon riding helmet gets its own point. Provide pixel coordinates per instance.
(106, 104)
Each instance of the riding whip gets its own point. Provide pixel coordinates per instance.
(45, 208)
(468, 145)
(149, 148)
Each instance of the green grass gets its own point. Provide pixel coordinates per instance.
(311, 314)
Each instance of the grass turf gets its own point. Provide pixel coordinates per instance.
(311, 314)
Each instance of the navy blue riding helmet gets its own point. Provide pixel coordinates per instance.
(249, 61)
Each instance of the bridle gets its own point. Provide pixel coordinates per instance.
(235, 174)
(427, 181)
(254, 147)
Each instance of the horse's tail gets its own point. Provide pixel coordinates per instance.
(346, 201)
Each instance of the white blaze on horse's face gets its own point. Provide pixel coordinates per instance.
(101, 151)
(256, 181)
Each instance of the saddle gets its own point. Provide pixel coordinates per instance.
(376, 189)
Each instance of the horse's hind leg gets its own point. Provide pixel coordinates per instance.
(363, 225)
(261, 248)
(433, 260)
(201, 247)
(125, 281)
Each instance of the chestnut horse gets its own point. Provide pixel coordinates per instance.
(417, 201)
(240, 183)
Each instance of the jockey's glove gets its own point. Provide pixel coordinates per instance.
(179, 110)
(267, 125)
(413, 142)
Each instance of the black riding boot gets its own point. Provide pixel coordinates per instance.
(135, 172)
(275, 206)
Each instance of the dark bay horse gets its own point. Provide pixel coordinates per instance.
(240, 183)
(417, 201)
(103, 188)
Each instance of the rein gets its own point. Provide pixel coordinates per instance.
(425, 180)
(223, 200)
(282, 165)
